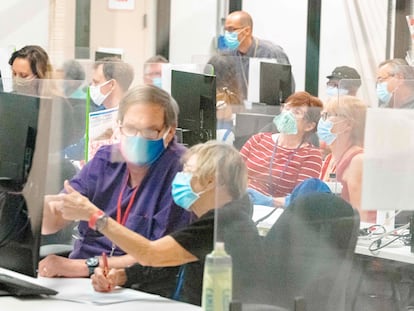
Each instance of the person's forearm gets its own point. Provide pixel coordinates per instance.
(52, 221)
(119, 261)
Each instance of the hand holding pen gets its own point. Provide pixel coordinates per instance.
(105, 279)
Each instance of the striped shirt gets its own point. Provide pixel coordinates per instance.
(289, 167)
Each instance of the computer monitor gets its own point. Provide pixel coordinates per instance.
(275, 83)
(196, 96)
(24, 134)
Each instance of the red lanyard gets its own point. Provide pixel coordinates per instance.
(119, 218)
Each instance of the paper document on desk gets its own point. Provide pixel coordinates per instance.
(266, 216)
(81, 290)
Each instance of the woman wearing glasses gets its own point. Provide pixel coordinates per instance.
(277, 162)
(341, 127)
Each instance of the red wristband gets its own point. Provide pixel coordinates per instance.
(94, 218)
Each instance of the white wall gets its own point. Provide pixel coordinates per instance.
(353, 33)
(22, 23)
(193, 30)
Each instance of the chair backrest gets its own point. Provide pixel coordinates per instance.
(310, 250)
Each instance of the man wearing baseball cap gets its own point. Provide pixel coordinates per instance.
(351, 81)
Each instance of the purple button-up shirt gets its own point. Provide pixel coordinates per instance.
(153, 213)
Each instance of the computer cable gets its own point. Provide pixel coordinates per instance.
(265, 216)
(378, 242)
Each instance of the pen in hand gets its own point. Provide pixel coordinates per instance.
(105, 264)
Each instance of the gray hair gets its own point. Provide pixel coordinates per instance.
(150, 95)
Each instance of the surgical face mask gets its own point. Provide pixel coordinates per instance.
(382, 92)
(231, 40)
(142, 151)
(182, 193)
(286, 123)
(157, 81)
(96, 94)
(324, 131)
(334, 91)
(28, 85)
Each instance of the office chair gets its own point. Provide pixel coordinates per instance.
(310, 250)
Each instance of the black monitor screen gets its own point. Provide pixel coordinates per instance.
(18, 125)
(23, 172)
(196, 96)
(275, 83)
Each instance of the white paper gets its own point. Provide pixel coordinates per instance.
(102, 125)
(388, 173)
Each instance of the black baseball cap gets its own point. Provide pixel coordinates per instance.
(344, 72)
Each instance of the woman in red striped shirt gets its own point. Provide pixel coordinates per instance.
(277, 162)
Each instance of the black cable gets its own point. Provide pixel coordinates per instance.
(265, 217)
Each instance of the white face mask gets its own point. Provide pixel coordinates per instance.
(96, 94)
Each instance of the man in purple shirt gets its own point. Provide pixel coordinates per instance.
(130, 182)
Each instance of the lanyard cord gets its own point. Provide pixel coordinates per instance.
(282, 173)
(242, 65)
(119, 218)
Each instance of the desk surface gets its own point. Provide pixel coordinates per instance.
(399, 253)
(78, 294)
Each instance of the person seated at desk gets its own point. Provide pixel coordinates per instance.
(111, 79)
(342, 127)
(213, 182)
(30, 65)
(229, 95)
(343, 80)
(153, 70)
(130, 182)
(276, 163)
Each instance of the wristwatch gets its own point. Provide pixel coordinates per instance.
(92, 263)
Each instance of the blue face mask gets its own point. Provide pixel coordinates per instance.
(324, 131)
(286, 123)
(157, 82)
(141, 151)
(231, 40)
(334, 91)
(182, 193)
(382, 92)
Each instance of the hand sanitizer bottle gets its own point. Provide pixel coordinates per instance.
(217, 280)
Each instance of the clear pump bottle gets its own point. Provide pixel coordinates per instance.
(217, 280)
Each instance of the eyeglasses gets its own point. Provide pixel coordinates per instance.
(130, 131)
(231, 29)
(382, 79)
(325, 115)
(298, 111)
(332, 83)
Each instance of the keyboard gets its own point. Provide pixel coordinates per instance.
(18, 287)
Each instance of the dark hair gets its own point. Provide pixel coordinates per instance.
(115, 68)
(37, 58)
(227, 79)
(73, 70)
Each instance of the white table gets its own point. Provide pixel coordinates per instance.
(81, 290)
(399, 253)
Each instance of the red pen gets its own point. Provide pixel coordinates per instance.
(105, 264)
